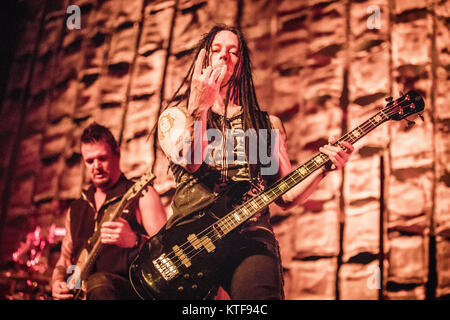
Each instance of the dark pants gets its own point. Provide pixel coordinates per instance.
(108, 286)
(254, 271)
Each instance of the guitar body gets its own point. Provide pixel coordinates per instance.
(194, 282)
(196, 261)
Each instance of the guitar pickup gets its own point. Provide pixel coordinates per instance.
(207, 243)
(182, 256)
(203, 242)
(195, 242)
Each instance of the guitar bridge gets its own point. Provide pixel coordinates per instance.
(166, 267)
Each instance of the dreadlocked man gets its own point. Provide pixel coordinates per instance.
(216, 136)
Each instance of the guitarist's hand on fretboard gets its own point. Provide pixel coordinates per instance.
(118, 233)
(338, 154)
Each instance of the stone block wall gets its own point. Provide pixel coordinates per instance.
(380, 229)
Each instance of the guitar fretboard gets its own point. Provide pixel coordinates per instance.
(239, 215)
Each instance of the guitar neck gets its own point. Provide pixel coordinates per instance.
(245, 211)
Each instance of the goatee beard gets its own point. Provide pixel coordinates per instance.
(103, 185)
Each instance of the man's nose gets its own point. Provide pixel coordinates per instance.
(97, 164)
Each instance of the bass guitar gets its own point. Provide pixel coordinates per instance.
(182, 262)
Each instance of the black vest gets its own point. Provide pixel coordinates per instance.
(195, 191)
(82, 225)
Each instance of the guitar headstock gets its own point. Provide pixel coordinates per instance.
(140, 185)
(405, 106)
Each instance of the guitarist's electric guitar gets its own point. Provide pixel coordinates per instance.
(88, 256)
(182, 262)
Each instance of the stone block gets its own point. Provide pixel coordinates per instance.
(29, 155)
(408, 293)
(64, 100)
(411, 147)
(89, 94)
(71, 178)
(407, 260)
(311, 280)
(409, 198)
(362, 230)
(51, 34)
(20, 202)
(285, 234)
(37, 111)
(136, 156)
(123, 45)
(148, 74)
(359, 281)
(317, 233)
(110, 117)
(48, 179)
(411, 42)
(367, 185)
(443, 266)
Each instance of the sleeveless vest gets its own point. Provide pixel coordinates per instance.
(112, 259)
(195, 191)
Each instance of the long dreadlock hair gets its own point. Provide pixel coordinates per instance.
(241, 90)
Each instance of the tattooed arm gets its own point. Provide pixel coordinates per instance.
(182, 138)
(182, 134)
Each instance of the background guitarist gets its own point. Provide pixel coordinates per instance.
(109, 278)
(219, 94)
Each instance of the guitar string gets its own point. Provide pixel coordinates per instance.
(211, 233)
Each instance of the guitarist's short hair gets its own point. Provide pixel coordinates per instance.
(96, 132)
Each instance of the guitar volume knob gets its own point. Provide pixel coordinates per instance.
(200, 274)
